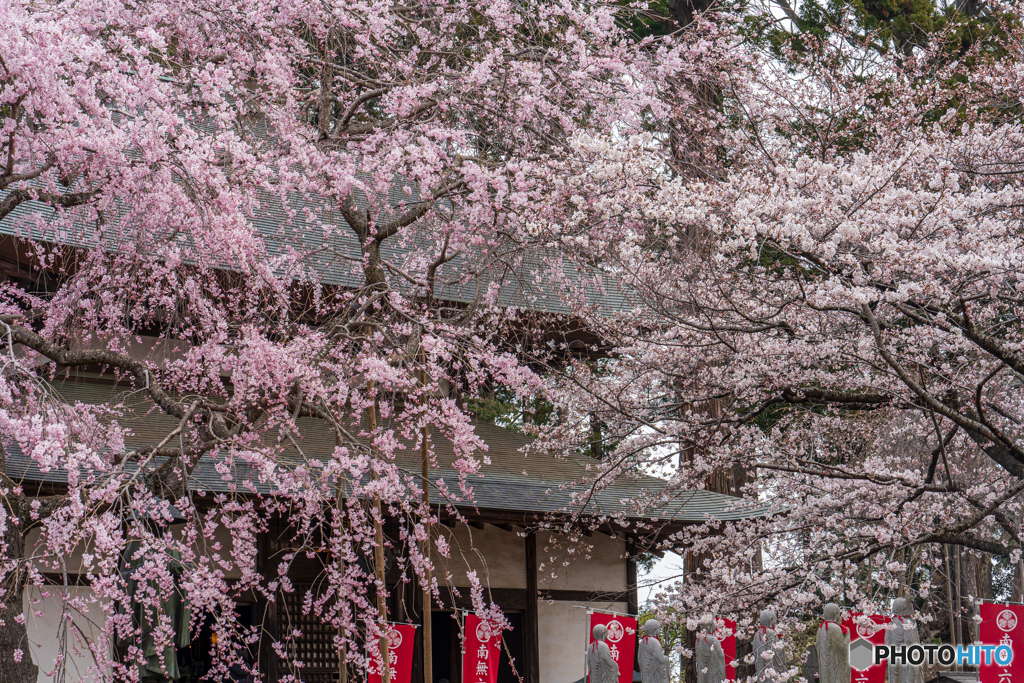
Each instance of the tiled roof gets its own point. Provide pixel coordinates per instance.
(523, 276)
(513, 481)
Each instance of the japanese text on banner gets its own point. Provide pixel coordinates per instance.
(874, 634)
(481, 651)
(1003, 625)
(621, 640)
(401, 642)
(729, 649)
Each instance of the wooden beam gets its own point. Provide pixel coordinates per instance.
(583, 597)
(531, 622)
(477, 525)
(632, 601)
(505, 598)
(516, 598)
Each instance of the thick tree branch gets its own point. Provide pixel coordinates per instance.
(17, 197)
(1007, 455)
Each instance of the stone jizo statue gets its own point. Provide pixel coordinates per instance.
(903, 631)
(600, 665)
(833, 647)
(768, 651)
(654, 663)
(710, 660)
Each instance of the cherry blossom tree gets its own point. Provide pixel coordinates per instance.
(824, 309)
(250, 216)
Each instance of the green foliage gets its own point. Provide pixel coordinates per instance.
(673, 630)
(1002, 578)
(772, 416)
(652, 20)
(507, 410)
(880, 24)
(901, 24)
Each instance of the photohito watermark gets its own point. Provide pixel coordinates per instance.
(946, 655)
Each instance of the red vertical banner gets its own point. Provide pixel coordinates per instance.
(874, 634)
(621, 640)
(1002, 625)
(729, 649)
(481, 651)
(401, 641)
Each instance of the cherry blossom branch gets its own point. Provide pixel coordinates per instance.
(1007, 454)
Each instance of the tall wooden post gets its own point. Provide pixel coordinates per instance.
(338, 505)
(428, 637)
(268, 661)
(531, 622)
(378, 550)
(632, 597)
(949, 593)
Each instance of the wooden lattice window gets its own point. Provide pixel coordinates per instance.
(314, 647)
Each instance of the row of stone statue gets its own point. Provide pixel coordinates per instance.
(833, 645)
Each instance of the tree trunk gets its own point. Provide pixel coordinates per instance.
(728, 480)
(14, 635)
(685, 11)
(975, 584)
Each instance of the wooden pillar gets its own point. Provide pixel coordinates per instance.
(267, 609)
(632, 599)
(694, 568)
(531, 625)
(426, 598)
(455, 651)
(378, 546)
(416, 600)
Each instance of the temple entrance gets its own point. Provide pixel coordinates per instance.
(448, 649)
(201, 655)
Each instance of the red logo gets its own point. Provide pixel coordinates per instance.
(483, 632)
(615, 631)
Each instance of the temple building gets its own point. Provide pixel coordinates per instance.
(544, 584)
(543, 581)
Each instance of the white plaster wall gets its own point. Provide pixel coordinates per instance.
(563, 634)
(597, 563)
(497, 556)
(43, 623)
(72, 561)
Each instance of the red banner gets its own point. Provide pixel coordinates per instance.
(481, 650)
(621, 640)
(729, 649)
(1002, 625)
(873, 634)
(401, 641)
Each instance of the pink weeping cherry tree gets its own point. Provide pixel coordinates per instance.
(241, 218)
(822, 247)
